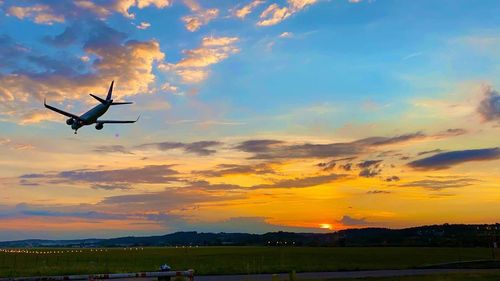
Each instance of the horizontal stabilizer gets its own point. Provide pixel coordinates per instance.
(120, 103)
(116, 121)
(97, 98)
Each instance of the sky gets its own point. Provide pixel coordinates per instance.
(256, 115)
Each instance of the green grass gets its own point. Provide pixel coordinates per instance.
(493, 276)
(229, 260)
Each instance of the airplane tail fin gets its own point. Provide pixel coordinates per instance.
(110, 92)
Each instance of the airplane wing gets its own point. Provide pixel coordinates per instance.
(115, 121)
(71, 115)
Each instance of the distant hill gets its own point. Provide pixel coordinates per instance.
(446, 235)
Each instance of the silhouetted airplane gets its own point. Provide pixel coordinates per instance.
(90, 117)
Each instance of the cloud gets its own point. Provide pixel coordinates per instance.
(369, 168)
(392, 179)
(36, 116)
(122, 186)
(274, 149)
(235, 169)
(170, 197)
(447, 159)
(378, 141)
(369, 163)
(301, 182)
(369, 173)
(429, 152)
(489, 106)
(10, 52)
(144, 25)
(435, 184)
(375, 192)
(247, 9)
(111, 149)
(199, 17)
(193, 68)
(107, 179)
(330, 165)
(201, 148)
(147, 174)
(49, 12)
(130, 63)
(42, 14)
(275, 14)
(351, 221)
(286, 35)
(70, 35)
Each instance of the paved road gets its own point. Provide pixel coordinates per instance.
(284, 276)
(339, 275)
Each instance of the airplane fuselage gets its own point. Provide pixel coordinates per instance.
(90, 117)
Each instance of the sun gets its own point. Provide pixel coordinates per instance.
(325, 226)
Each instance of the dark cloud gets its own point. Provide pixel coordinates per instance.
(370, 168)
(68, 37)
(330, 165)
(33, 176)
(112, 149)
(275, 149)
(451, 133)
(10, 52)
(374, 192)
(201, 148)
(147, 174)
(346, 167)
(302, 182)
(430, 152)
(25, 182)
(351, 221)
(257, 146)
(234, 169)
(170, 198)
(447, 159)
(392, 179)
(369, 173)
(438, 184)
(369, 164)
(120, 186)
(378, 141)
(489, 107)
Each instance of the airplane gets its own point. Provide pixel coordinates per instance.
(91, 117)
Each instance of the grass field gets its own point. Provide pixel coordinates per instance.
(226, 260)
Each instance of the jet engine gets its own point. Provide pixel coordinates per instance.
(99, 126)
(70, 121)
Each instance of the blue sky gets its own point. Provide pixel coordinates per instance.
(279, 99)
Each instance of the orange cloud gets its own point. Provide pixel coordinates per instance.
(131, 64)
(200, 17)
(275, 14)
(194, 67)
(247, 9)
(42, 14)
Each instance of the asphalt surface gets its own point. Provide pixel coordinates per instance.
(341, 274)
(285, 276)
